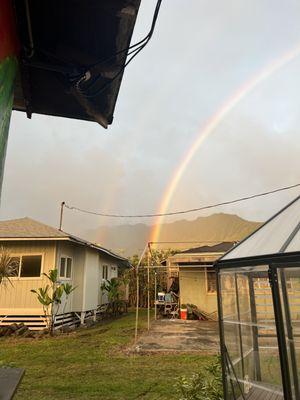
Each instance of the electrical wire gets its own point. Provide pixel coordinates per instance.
(138, 47)
(241, 199)
(146, 38)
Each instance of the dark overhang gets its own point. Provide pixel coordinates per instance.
(72, 54)
(268, 259)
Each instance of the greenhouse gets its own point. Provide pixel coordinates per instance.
(259, 311)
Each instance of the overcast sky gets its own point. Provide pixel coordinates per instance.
(202, 52)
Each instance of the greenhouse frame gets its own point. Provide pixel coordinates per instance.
(258, 284)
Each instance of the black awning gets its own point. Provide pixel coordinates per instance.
(72, 56)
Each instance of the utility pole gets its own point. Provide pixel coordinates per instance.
(61, 214)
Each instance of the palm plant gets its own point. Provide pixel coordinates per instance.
(51, 296)
(8, 266)
(68, 289)
(112, 288)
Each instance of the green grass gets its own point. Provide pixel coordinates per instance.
(94, 363)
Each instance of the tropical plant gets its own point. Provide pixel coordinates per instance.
(68, 289)
(113, 290)
(204, 385)
(50, 297)
(8, 266)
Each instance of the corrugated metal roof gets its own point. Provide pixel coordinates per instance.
(280, 234)
(73, 55)
(217, 248)
(27, 228)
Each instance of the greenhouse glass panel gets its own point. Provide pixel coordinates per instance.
(289, 284)
(251, 358)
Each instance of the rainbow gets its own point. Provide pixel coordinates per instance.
(210, 126)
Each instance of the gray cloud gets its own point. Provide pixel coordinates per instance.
(202, 51)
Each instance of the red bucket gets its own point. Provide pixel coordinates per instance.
(183, 313)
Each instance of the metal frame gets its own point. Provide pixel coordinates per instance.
(289, 328)
(222, 339)
(254, 327)
(283, 354)
(262, 226)
(280, 305)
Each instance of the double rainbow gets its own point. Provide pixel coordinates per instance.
(210, 126)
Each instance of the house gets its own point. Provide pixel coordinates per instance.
(38, 248)
(191, 274)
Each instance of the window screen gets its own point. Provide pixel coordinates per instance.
(69, 268)
(65, 267)
(62, 270)
(31, 266)
(211, 281)
(105, 272)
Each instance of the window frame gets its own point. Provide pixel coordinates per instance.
(106, 268)
(210, 270)
(20, 255)
(66, 257)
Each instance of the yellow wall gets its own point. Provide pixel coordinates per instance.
(17, 298)
(87, 265)
(192, 286)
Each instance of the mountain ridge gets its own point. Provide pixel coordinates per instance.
(129, 239)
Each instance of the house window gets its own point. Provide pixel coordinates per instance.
(25, 266)
(211, 283)
(65, 270)
(105, 272)
(30, 266)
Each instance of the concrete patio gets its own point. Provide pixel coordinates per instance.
(180, 336)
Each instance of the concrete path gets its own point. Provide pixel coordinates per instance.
(180, 336)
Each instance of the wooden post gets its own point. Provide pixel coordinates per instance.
(82, 317)
(138, 296)
(137, 303)
(155, 294)
(148, 285)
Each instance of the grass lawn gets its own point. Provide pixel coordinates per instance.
(93, 364)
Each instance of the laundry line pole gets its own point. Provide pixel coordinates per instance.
(138, 294)
(148, 285)
(155, 294)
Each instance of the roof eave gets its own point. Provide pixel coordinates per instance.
(65, 238)
(277, 258)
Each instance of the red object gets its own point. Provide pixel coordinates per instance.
(183, 313)
(8, 36)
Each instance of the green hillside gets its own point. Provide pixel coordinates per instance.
(131, 239)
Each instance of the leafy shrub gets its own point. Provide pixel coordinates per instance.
(203, 385)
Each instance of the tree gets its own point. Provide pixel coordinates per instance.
(156, 258)
(50, 297)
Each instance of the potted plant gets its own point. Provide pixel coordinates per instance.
(183, 311)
